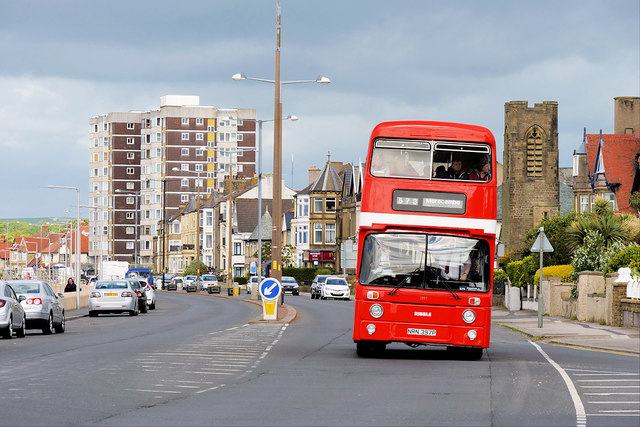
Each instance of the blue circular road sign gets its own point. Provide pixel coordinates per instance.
(270, 289)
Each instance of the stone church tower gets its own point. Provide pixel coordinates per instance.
(530, 189)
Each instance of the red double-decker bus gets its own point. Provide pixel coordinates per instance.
(426, 242)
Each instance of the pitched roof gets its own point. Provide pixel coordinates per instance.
(617, 156)
(329, 180)
(247, 212)
(266, 228)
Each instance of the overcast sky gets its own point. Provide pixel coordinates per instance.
(65, 61)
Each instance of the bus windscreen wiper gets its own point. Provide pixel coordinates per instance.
(403, 281)
(449, 288)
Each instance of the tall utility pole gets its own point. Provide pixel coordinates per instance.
(276, 233)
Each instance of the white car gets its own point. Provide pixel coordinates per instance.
(151, 294)
(335, 287)
(253, 283)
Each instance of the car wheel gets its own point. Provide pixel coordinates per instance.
(296, 293)
(8, 331)
(22, 332)
(134, 312)
(47, 328)
(143, 309)
(61, 327)
(152, 306)
(369, 348)
(93, 313)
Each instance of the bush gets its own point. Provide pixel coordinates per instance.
(515, 272)
(300, 274)
(499, 275)
(324, 270)
(561, 271)
(628, 257)
(241, 280)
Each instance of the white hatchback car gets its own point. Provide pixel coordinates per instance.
(335, 287)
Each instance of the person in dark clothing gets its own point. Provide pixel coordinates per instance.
(636, 180)
(456, 171)
(71, 286)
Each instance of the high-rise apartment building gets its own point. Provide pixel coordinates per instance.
(146, 163)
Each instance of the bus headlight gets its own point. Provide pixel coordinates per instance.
(376, 311)
(371, 328)
(472, 334)
(469, 316)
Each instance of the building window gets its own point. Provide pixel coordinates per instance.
(185, 120)
(184, 198)
(239, 137)
(535, 138)
(199, 167)
(129, 230)
(130, 200)
(317, 233)
(129, 245)
(199, 137)
(130, 185)
(130, 126)
(584, 203)
(330, 234)
(184, 166)
(185, 182)
(199, 122)
(131, 156)
(184, 151)
(317, 204)
(330, 204)
(130, 171)
(129, 140)
(611, 198)
(237, 248)
(185, 136)
(129, 215)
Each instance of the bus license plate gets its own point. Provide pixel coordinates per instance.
(427, 332)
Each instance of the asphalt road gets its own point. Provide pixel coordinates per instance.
(197, 361)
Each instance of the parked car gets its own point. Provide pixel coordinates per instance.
(190, 283)
(253, 283)
(41, 305)
(175, 282)
(151, 295)
(143, 272)
(290, 284)
(209, 281)
(12, 316)
(335, 287)
(113, 296)
(316, 285)
(139, 286)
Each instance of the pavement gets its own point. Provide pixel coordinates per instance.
(558, 330)
(555, 330)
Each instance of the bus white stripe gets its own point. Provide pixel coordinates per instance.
(367, 219)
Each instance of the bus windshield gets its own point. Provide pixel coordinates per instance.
(425, 261)
(438, 160)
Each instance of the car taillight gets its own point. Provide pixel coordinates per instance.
(35, 301)
(2, 303)
(126, 294)
(138, 293)
(95, 295)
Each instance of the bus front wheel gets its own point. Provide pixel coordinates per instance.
(369, 348)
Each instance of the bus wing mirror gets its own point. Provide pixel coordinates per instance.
(500, 249)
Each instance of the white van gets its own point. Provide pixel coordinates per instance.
(253, 283)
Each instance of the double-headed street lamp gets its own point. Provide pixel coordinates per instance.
(7, 241)
(78, 252)
(276, 236)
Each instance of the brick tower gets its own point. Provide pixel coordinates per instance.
(530, 189)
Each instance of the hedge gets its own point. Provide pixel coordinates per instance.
(300, 274)
(561, 271)
(241, 280)
(521, 272)
(628, 257)
(499, 275)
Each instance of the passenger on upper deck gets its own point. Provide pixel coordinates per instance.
(482, 174)
(456, 171)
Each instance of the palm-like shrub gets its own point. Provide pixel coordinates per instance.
(612, 228)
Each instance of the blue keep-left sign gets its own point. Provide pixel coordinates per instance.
(270, 289)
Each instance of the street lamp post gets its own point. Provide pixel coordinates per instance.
(276, 233)
(7, 241)
(95, 209)
(78, 252)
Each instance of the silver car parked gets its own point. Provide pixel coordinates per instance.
(12, 317)
(41, 305)
(113, 296)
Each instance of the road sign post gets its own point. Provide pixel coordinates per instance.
(270, 290)
(541, 245)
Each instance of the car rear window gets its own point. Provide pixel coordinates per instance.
(112, 285)
(26, 288)
(209, 278)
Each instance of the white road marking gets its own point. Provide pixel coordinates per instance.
(581, 416)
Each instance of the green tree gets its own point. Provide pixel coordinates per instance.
(288, 255)
(266, 252)
(555, 228)
(196, 268)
